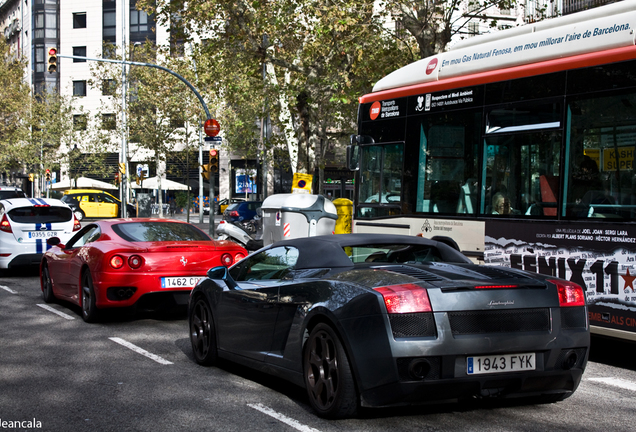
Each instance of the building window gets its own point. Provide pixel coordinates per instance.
(109, 24)
(79, 20)
(177, 122)
(39, 58)
(80, 52)
(79, 122)
(473, 28)
(141, 24)
(138, 21)
(45, 25)
(108, 87)
(79, 88)
(109, 122)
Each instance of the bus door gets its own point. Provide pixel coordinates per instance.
(522, 149)
(380, 179)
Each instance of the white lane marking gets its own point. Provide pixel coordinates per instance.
(55, 311)
(141, 351)
(8, 289)
(616, 382)
(282, 418)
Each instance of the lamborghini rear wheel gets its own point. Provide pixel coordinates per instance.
(328, 378)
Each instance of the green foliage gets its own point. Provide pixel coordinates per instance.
(15, 103)
(322, 56)
(158, 104)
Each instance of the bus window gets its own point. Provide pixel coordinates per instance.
(380, 179)
(523, 170)
(447, 158)
(601, 180)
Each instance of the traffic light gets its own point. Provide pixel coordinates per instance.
(31, 177)
(141, 177)
(214, 160)
(122, 167)
(47, 175)
(117, 177)
(52, 61)
(205, 172)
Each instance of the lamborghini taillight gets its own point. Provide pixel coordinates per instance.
(570, 294)
(405, 298)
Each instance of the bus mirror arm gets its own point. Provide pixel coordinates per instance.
(361, 139)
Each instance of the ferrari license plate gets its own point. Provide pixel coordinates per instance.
(500, 363)
(42, 234)
(179, 281)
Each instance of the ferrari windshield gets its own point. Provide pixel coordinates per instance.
(397, 253)
(159, 232)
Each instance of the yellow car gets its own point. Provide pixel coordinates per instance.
(92, 203)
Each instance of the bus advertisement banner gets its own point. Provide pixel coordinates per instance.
(601, 259)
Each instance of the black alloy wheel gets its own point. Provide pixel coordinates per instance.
(328, 378)
(89, 310)
(202, 335)
(47, 285)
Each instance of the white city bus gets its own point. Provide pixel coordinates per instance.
(519, 146)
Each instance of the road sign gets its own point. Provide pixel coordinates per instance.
(213, 139)
(211, 127)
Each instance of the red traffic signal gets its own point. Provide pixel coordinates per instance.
(52, 60)
(211, 127)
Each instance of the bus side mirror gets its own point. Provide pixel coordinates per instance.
(353, 154)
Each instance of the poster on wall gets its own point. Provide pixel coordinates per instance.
(600, 258)
(245, 181)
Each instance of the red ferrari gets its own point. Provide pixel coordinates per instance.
(131, 262)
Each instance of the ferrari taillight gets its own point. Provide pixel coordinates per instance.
(570, 294)
(406, 298)
(135, 261)
(5, 225)
(116, 262)
(76, 224)
(239, 256)
(226, 259)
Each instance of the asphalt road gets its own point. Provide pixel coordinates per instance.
(136, 373)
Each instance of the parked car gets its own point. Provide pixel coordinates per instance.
(381, 320)
(93, 203)
(225, 202)
(27, 223)
(7, 192)
(241, 211)
(126, 262)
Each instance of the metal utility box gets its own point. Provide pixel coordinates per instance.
(287, 216)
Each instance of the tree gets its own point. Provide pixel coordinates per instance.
(318, 56)
(158, 106)
(433, 24)
(61, 132)
(15, 103)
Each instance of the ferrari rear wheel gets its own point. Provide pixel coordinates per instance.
(328, 378)
(89, 310)
(202, 334)
(47, 285)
